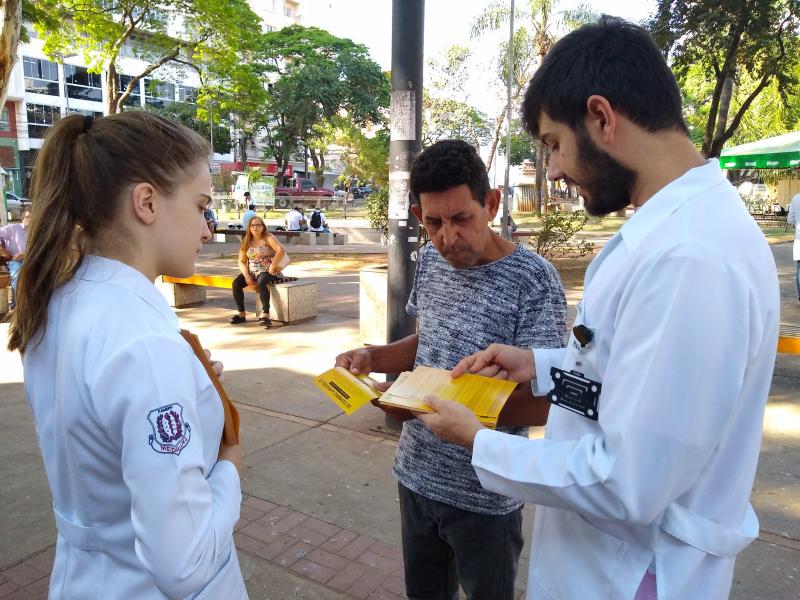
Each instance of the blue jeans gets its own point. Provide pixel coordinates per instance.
(13, 268)
(444, 546)
(798, 279)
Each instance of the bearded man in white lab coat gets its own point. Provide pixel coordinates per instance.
(643, 480)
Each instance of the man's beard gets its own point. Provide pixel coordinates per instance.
(607, 184)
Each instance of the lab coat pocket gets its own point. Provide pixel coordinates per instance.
(565, 569)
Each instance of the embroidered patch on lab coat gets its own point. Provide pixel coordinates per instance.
(170, 432)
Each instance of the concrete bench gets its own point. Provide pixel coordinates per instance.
(291, 300)
(303, 238)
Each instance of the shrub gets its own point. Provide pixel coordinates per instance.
(554, 238)
(378, 210)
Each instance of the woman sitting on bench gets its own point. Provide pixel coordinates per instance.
(260, 256)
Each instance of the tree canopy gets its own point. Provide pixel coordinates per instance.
(317, 77)
(205, 35)
(726, 55)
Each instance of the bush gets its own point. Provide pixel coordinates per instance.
(554, 238)
(378, 210)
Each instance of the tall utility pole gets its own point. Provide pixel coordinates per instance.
(408, 25)
(506, 221)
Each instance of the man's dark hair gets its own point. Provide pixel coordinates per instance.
(448, 164)
(611, 58)
(247, 194)
(251, 207)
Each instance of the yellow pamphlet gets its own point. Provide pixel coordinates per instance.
(350, 392)
(484, 396)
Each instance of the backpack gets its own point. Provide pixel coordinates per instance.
(316, 219)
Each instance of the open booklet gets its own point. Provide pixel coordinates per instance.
(482, 395)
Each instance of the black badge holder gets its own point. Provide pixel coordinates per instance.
(573, 391)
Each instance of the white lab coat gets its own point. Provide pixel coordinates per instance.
(129, 427)
(793, 218)
(683, 303)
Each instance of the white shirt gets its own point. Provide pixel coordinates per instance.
(292, 220)
(683, 303)
(793, 218)
(129, 425)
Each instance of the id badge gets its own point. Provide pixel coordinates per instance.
(572, 389)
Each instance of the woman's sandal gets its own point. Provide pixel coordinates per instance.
(236, 319)
(265, 321)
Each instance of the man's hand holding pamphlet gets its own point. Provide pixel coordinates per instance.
(484, 396)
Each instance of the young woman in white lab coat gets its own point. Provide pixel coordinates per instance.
(144, 494)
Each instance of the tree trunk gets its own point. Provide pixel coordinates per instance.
(722, 115)
(112, 90)
(11, 18)
(540, 177)
(318, 160)
(496, 138)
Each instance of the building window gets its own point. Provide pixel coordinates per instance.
(83, 85)
(86, 113)
(287, 11)
(135, 99)
(41, 76)
(5, 124)
(40, 118)
(187, 94)
(268, 28)
(158, 93)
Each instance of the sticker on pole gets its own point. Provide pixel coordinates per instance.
(399, 185)
(403, 115)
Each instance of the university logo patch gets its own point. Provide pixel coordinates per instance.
(170, 432)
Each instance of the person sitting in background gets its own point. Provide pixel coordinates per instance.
(317, 222)
(294, 219)
(210, 217)
(249, 213)
(13, 239)
(260, 256)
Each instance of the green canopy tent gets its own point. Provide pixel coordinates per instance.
(779, 152)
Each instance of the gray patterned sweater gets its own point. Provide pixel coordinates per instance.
(517, 300)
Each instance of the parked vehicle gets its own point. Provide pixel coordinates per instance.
(299, 187)
(16, 204)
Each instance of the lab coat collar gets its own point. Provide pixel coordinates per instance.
(113, 272)
(669, 199)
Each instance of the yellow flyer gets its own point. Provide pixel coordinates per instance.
(348, 391)
(482, 395)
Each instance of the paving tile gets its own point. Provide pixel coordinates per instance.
(339, 541)
(326, 529)
(326, 559)
(258, 532)
(382, 594)
(6, 588)
(42, 562)
(356, 548)
(38, 586)
(312, 570)
(274, 516)
(394, 584)
(345, 578)
(289, 521)
(21, 575)
(288, 557)
(276, 547)
(247, 543)
(259, 504)
(248, 513)
(376, 561)
(387, 550)
(19, 595)
(367, 583)
(304, 534)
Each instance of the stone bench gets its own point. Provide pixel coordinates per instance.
(291, 300)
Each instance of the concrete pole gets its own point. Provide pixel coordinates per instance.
(506, 221)
(408, 26)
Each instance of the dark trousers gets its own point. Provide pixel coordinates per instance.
(444, 546)
(262, 283)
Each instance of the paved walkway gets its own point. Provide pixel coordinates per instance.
(320, 517)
